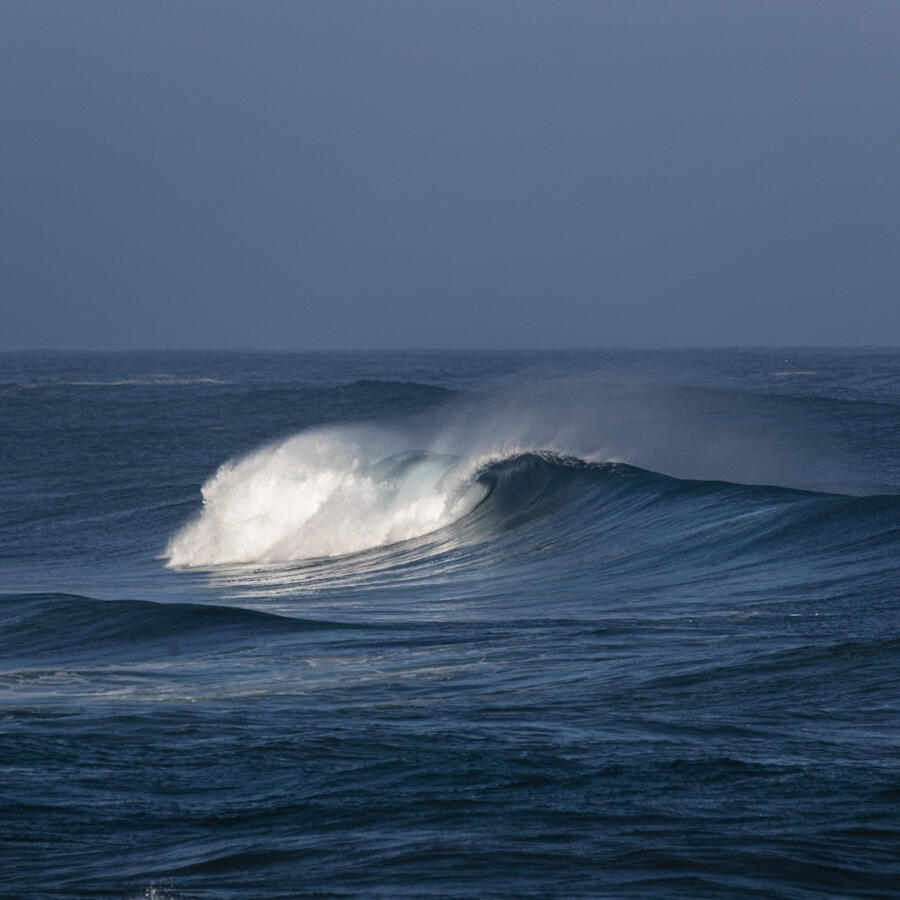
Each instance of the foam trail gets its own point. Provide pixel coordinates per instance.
(322, 494)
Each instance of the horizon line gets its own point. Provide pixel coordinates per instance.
(424, 349)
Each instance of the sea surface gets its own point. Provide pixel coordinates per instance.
(450, 624)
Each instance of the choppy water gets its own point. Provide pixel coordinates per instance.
(450, 625)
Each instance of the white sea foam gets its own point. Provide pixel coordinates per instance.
(322, 493)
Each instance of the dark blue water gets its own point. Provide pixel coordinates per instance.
(600, 624)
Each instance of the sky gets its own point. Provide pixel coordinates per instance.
(321, 174)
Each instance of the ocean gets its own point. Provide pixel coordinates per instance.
(450, 624)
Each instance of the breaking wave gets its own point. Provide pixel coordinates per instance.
(322, 494)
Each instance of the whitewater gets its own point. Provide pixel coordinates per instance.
(318, 495)
(445, 624)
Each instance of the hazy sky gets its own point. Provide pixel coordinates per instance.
(449, 174)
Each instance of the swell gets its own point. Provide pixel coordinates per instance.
(71, 627)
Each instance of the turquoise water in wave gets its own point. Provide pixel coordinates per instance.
(606, 624)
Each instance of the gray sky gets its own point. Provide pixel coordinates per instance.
(449, 174)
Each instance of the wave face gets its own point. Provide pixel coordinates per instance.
(450, 624)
